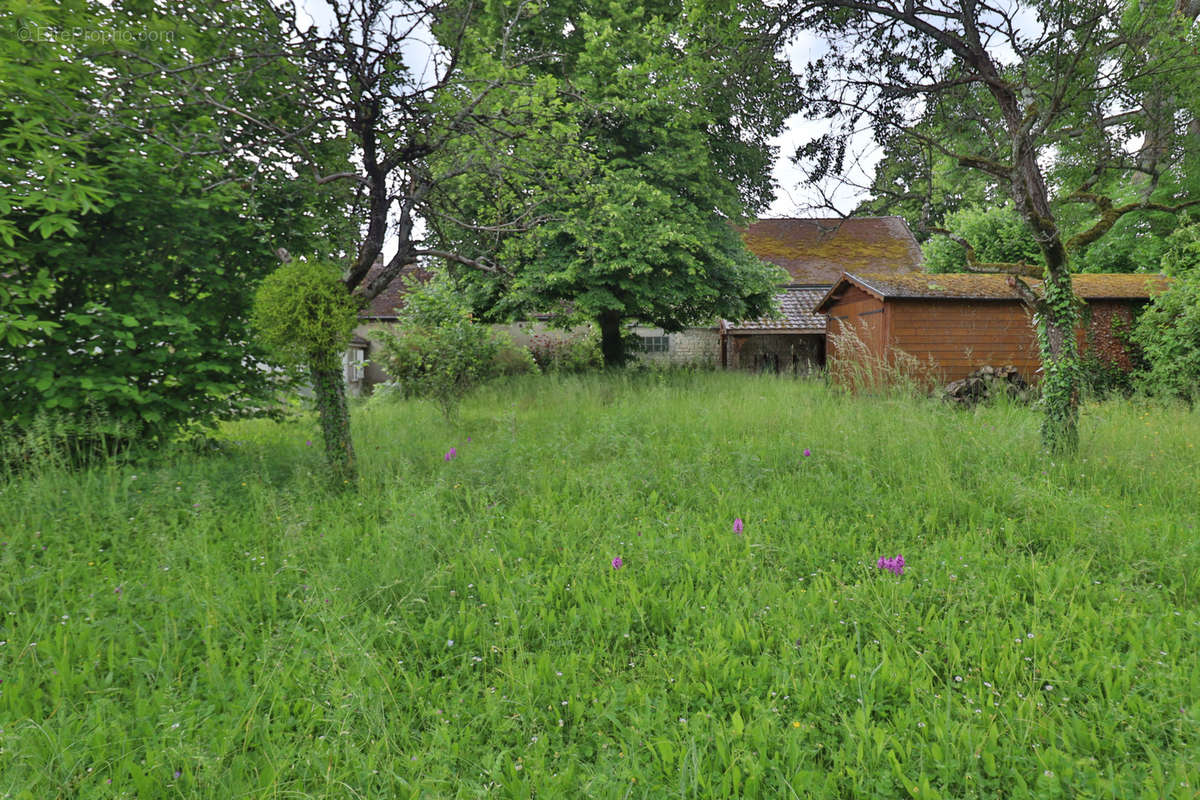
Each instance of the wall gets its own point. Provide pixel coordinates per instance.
(961, 336)
(689, 347)
(372, 373)
(855, 338)
(1108, 322)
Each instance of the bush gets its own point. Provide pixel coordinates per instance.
(1168, 331)
(571, 353)
(1169, 336)
(437, 351)
(511, 358)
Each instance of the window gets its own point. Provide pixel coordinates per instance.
(352, 362)
(655, 344)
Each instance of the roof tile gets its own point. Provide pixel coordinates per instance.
(797, 304)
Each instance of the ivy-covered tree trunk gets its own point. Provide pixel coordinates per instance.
(329, 386)
(1060, 362)
(1057, 310)
(611, 346)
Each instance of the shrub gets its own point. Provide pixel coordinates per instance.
(304, 314)
(1169, 336)
(437, 351)
(572, 353)
(1168, 331)
(511, 358)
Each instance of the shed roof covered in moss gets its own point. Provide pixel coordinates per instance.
(816, 252)
(970, 286)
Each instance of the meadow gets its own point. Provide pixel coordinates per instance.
(223, 625)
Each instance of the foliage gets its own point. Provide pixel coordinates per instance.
(127, 252)
(302, 312)
(668, 153)
(1168, 331)
(1182, 255)
(437, 351)
(1103, 379)
(997, 234)
(566, 353)
(511, 358)
(921, 184)
(304, 315)
(1041, 594)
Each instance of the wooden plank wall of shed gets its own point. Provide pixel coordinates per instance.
(856, 315)
(961, 335)
(860, 313)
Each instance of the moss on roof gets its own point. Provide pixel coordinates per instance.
(817, 251)
(967, 286)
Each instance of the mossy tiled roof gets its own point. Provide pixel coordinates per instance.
(818, 251)
(968, 286)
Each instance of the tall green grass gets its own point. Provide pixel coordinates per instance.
(222, 626)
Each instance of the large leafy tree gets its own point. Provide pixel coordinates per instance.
(350, 102)
(130, 250)
(668, 106)
(1040, 98)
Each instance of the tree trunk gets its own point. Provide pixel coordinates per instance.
(329, 385)
(1057, 310)
(611, 346)
(1058, 316)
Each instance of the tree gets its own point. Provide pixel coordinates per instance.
(128, 254)
(375, 93)
(991, 235)
(669, 105)
(1008, 90)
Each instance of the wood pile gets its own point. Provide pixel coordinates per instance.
(987, 383)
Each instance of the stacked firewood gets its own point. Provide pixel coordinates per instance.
(987, 383)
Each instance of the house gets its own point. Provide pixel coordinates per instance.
(946, 326)
(814, 253)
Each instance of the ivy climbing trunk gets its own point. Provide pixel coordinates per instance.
(611, 346)
(1057, 319)
(1057, 309)
(329, 386)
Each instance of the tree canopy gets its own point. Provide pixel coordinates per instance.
(135, 220)
(667, 108)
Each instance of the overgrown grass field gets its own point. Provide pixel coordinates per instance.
(224, 626)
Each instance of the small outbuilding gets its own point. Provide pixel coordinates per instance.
(794, 342)
(940, 328)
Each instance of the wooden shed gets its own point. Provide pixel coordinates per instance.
(940, 328)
